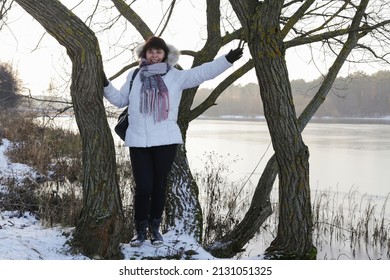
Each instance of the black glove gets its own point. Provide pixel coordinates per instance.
(234, 55)
(105, 80)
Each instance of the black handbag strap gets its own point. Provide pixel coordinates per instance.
(132, 78)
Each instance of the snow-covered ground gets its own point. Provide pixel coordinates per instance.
(24, 242)
(22, 237)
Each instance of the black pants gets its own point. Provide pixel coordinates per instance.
(151, 167)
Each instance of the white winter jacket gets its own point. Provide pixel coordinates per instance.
(143, 131)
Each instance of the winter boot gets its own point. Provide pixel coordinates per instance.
(156, 237)
(140, 233)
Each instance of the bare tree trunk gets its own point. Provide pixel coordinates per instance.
(98, 232)
(259, 210)
(261, 20)
(294, 237)
(183, 211)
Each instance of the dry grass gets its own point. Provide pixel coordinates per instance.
(55, 155)
(223, 202)
(50, 150)
(352, 220)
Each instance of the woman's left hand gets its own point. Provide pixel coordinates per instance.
(234, 55)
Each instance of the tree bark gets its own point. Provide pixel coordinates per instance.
(294, 237)
(98, 232)
(261, 23)
(259, 210)
(183, 211)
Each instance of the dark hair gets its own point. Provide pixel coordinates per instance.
(155, 43)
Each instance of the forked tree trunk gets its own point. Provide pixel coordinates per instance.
(234, 241)
(261, 21)
(294, 237)
(183, 211)
(98, 232)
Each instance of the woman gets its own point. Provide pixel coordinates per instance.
(153, 133)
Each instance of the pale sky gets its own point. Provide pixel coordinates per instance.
(37, 66)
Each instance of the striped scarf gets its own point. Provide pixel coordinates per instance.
(154, 92)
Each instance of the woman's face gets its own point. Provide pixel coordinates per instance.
(155, 55)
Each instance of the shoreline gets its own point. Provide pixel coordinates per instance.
(341, 120)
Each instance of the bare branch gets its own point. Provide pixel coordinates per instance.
(332, 34)
(349, 45)
(39, 42)
(90, 17)
(170, 11)
(329, 19)
(123, 70)
(131, 16)
(210, 100)
(297, 16)
(5, 6)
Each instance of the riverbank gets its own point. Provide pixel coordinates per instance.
(340, 120)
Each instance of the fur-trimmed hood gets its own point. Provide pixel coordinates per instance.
(173, 54)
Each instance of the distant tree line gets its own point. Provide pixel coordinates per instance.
(358, 95)
(9, 86)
